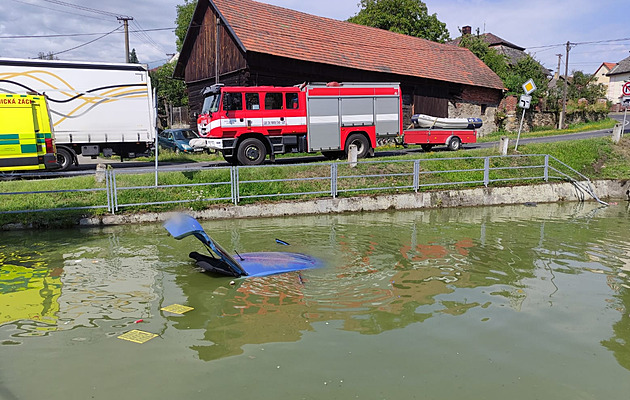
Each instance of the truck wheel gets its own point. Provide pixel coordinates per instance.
(426, 147)
(251, 152)
(362, 143)
(64, 158)
(455, 144)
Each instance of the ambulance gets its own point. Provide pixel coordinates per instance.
(26, 136)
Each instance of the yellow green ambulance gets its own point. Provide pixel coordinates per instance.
(27, 141)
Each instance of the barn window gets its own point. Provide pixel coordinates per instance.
(252, 101)
(273, 101)
(292, 101)
(484, 107)
(232, 101)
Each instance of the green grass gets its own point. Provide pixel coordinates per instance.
(541, 132)
(595, 158)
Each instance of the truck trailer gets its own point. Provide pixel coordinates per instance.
(96, 108)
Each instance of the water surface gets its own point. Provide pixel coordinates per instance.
(508, 302)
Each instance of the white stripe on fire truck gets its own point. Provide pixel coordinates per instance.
(387, 117)
(357, 118)
(296, 120)
(327, 119)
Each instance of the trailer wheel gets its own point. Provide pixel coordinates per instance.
(426, 147)
(251, 152)
(455, 144)
(65, 158)
(362, 143)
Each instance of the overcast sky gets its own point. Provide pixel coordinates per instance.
(541, 26)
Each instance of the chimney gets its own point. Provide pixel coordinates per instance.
(466, 30)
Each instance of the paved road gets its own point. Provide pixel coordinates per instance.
(87, 164)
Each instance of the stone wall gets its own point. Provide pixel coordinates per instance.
(470, 110)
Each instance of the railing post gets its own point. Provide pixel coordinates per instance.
(333, 180)
(416, 175)
(486, 171)
(114, 191)
(234, 184)
(546, 167)
(108, 191)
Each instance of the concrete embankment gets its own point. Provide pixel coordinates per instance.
(608, 190)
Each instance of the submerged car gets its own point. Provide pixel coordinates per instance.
(219, 262)
(177, 140)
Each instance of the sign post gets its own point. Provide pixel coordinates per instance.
(524, 103)
(625, 101)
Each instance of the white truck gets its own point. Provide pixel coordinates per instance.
(95, 107)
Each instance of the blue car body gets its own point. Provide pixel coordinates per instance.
(247, 264)
(177, 140)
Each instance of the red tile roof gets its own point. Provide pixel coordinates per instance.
(278, 31)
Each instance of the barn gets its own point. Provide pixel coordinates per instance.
(247, 43)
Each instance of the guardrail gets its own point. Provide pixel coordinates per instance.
(236, 184)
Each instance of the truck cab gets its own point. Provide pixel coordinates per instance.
(248, 123)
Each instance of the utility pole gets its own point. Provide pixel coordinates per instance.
(125, 21)
(559, 61)
(564, 92)
(216, 51)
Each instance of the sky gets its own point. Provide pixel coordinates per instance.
(88, 30)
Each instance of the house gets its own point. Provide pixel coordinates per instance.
(618, 76)
(262, 44)
(601, 77)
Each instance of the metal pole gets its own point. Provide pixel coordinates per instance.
(623, 126)
(564, 91)
(519, 130)
(125, 21)
(216, 52)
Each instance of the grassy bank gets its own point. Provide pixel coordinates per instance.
(594, 158)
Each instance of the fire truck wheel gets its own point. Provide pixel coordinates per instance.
(455, 144)
(230, 159)
(251, 152)
(362, 143)
(426, 147)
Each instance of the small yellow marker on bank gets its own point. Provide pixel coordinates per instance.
(137, 336)
(177, 309)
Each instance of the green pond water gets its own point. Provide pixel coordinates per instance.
(477, 303)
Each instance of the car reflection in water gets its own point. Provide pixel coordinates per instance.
(177, 140)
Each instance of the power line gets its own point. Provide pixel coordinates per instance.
(76, 34)
(85, 44)
(83, 8)
(61, 11)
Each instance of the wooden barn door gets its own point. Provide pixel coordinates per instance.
(433, 106)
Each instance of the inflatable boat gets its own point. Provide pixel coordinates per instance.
(218, 261)
(429, 122)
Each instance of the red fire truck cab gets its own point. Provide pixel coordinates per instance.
(248, 123)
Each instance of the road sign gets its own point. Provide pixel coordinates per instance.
(625, 101)
(626, 89)
(529, 86)
(525, 101)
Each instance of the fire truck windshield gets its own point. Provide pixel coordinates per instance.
(211, 104)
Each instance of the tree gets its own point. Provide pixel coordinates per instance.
(133, 57)
(169, 90)
(47, 56)
(409, 17)
(184, 16)
(582, 86)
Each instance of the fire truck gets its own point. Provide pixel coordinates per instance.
(246, 124)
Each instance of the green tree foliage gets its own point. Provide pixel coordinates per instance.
(409, 17)
(169, 90)
(513, 76)
(184, 16)
(133, 57)
(582, 86)
(47, 56)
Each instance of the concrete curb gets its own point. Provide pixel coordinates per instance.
(545, 193)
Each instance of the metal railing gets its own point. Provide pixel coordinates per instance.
(235, 184)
